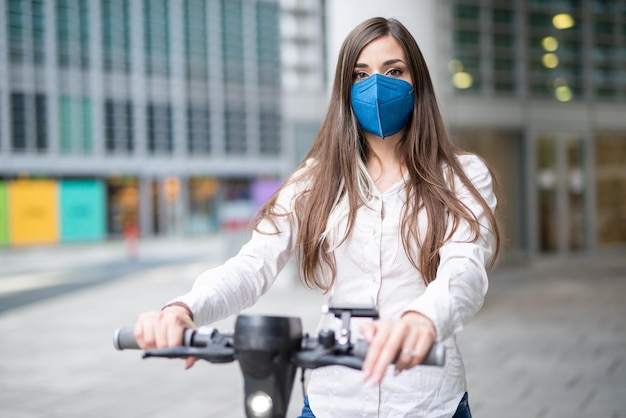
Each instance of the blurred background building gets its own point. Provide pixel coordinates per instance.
(125, 114)
(181, 116)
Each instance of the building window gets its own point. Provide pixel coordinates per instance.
(118, 127)
(75, 128)
(235, 125)
(232, 41)
(26, 31)
(116, 35)
(196, 40)
(39, 33)
(558, 37)
(268, 44)
(610, 152)
(468, 37)
(15, 32)
(198, 129)
(504, 18)
(269, 131)
(156, 37)
(467, 12)
(604, 6)
(159, 120)
(18, 121)
(41, 123)
(29, 122)
(72, 24)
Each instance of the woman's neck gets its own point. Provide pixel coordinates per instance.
(383, 164)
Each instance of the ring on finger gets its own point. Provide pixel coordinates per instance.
(409, 353)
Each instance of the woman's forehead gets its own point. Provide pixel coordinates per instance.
(381, 49)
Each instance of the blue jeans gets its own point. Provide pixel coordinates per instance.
(463, 410)
(306, 410)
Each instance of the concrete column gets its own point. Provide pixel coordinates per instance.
(530, 193)
(52, 80)
(215, 86)
(177, 91)
(27, 78)
(590, 211)
(146, 211)
(5, 93)
(251, 81)
(96, 90)
(182, 206)
(138, 77)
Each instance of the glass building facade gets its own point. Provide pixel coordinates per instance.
(538, 87)
(166, 103)
(177, 108)
(564, 49)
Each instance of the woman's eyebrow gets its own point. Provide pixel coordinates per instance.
(393, 61)
(385, 64)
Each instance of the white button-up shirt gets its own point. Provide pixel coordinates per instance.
(372, 268)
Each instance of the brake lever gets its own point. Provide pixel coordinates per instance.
(212, 354)
(321, 357)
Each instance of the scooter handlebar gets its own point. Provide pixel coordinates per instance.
(312, 354)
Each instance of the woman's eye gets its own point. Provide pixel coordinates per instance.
(358, 75)
(395, 72)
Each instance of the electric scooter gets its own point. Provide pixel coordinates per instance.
(269, 350)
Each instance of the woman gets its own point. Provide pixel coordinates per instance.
(384, 210)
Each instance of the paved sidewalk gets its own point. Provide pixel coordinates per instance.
(21, 260)
(550, 342)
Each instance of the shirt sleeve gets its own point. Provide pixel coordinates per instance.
(238, 283)
(458, 291)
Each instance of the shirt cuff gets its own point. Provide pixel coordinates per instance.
(182, 305)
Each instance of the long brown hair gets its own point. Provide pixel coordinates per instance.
(339, 152)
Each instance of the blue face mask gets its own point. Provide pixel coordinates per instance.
(382, 104)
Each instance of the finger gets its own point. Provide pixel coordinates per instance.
(388, 351)
(161, 331)
(190, 361)
(406, 356)
(423, 344)
(144, 331)
(367, 330)
(375, 345)
(174, 334)
(138, 333)
(423, 334)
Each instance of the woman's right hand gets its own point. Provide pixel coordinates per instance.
(162, 329)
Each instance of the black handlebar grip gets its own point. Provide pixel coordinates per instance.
(436, 355)
(124, 339)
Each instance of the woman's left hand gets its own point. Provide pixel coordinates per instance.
(405, 341)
